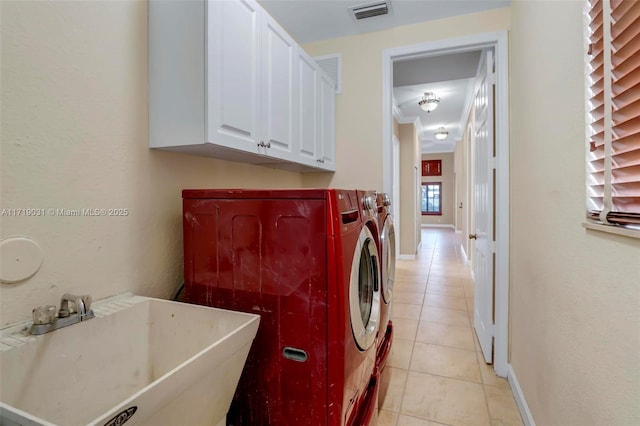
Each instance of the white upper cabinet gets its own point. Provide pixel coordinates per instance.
(307, 98)
(327, 121)
(279, 114)
(316, 105)
(226, 81)
(233, 74)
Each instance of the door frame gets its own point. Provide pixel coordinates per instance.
(499, 41)
(395, 202)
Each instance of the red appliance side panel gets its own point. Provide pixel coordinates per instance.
(367, 409)
(267, 257)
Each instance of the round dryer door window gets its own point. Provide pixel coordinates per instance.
(364, 291)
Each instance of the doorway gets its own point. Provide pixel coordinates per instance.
(496, 41)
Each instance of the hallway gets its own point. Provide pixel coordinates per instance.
(437, 374)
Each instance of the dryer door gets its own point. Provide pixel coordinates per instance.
(364, 291)
(388, 242)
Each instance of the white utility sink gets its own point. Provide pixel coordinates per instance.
(150, 361)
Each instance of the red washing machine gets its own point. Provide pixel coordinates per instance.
(387, 252)
(306, 261)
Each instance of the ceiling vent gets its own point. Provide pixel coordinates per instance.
(370, 10)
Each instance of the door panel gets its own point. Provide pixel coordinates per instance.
(278, 90)
(484, 208)
(326, 122)
(233, 69)
(307, 105)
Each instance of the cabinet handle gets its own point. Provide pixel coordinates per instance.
(264, 145)
(320, 160)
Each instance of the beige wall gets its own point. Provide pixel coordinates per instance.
(575, 294)
(74, 135)
(409, 207)
(359, 112)
(448, 190)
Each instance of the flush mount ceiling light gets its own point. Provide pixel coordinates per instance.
(429, 102)
(441, 134)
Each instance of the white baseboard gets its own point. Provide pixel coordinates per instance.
(435, 225)
(527, 417)
(406, 257)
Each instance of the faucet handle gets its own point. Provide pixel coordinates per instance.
(87, 300)
(44, 314)
(88, 312)
(81, 305)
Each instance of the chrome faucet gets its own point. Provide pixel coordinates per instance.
(73, 309)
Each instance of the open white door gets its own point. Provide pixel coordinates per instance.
(483, 318)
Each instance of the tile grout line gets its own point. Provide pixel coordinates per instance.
(446, 346)
(470, 320)
(460, 274)
(413, 344)
(482, 378)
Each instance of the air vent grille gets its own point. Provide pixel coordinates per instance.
(332, 65)
(369, 10)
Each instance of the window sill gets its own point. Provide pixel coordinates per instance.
(631, 233)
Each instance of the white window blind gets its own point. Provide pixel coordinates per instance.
(614, 109)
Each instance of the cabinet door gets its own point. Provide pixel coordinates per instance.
(327, 122)
(233, 72)
(278, 83)
(307, 105)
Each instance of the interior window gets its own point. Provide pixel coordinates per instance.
(431, 199)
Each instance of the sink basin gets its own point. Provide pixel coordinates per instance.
(140, 361)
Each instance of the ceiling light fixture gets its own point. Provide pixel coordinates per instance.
(441, 134)
(429, 102)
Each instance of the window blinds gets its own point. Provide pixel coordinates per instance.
(614, 158)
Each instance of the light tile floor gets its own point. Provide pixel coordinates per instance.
(436, 372)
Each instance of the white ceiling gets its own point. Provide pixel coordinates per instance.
(454, 97)
(449, 76)
(313, 20)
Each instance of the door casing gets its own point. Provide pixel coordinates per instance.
(499, 42)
